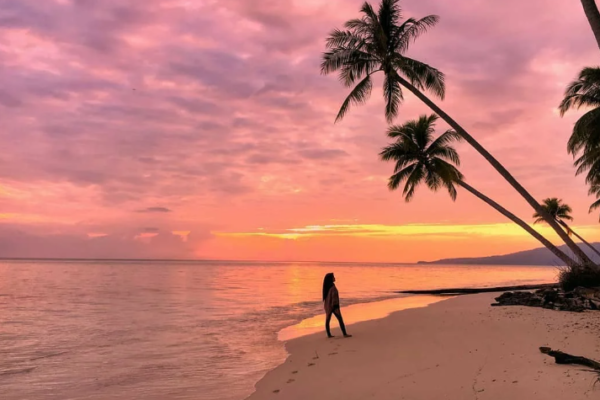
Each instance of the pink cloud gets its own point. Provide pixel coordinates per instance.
(218, 110)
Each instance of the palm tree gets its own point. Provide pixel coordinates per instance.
(420, 158)
(377, 42)
(585, 139)
(593, 17)
(561, 213)
(584, 92)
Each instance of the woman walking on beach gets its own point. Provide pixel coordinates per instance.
(331, 301)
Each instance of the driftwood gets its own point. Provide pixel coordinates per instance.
(564, 358)
(480, 290)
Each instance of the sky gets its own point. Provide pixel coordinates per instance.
(203, 129)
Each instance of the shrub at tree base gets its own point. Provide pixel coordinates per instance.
(579, 276)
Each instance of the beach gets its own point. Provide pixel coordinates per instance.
(455, 349)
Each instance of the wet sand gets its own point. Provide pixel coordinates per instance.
(460, 348)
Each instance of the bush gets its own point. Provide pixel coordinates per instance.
(578, 275)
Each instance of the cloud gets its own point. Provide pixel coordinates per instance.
(393, 231)
(219, 110)
(154, 210)
(20, 242)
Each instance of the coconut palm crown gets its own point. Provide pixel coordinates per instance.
(420, 158)
(562, 213)
(377, 42)
(556, 208)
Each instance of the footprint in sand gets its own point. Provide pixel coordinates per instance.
(291, 380)
(332, 354)
(311, 364)
(276, 391)
(294, 372)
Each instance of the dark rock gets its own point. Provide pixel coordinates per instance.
(578, 300)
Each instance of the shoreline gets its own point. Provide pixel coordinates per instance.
(356, 313)
(462, 345)
(493, 289)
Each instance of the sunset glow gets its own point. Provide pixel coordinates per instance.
(203, 129)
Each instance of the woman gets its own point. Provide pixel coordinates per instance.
(331, 301)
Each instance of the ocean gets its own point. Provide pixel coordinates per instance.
(206, 330)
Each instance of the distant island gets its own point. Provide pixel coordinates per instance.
(539, 256)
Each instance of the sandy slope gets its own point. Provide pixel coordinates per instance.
(457, 349)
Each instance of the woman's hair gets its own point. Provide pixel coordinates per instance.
(327, 284)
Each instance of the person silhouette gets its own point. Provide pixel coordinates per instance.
(331, 302)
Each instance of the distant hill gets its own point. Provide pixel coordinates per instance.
(540, 256)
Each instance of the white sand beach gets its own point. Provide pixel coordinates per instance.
(456, 349)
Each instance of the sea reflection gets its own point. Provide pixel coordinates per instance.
(187, 330)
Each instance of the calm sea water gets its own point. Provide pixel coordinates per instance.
(183, 330)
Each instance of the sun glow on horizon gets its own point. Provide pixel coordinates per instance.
(381, 230)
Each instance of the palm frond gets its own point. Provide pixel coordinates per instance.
(412, 182)
(388, 15)
(590, 162)
(347, 60)
(563, 212)
(376, 32)
(440, 148)
(432, 179)
(402, 151)
(344, 39)
(392, 92)
(424, 129)
(405, 130)
(584, 91)
(595, 205)
(422, 76)
(410, 31)
(400, 176)
(358, 95)
(586, 132)
(448, 174)
(359, 26)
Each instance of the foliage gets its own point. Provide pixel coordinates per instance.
(560, 211)
(421, 158)
(584, 143)
(377, 42)
(556, 208)
(579, 276)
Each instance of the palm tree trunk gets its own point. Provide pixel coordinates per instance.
(568, 228)
(501, 170)
(593, 17)
(555, 250)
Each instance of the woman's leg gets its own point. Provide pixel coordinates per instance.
(338, 315)
(327, 321)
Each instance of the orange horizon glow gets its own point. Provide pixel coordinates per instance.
(205, 130)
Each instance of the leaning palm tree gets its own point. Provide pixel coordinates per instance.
(593, 17)
(561, 213)
(378, 42)
(420, 158)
